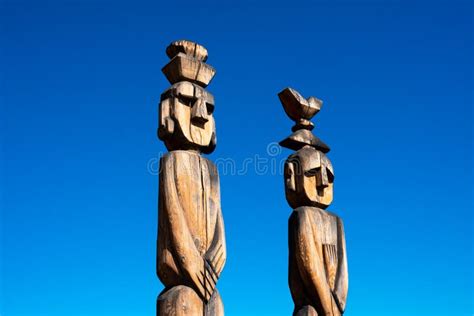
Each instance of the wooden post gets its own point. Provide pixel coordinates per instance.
(318, 276)
(191, 248)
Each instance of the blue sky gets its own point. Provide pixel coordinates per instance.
(80, 83)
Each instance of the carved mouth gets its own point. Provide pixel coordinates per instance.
(199, 122)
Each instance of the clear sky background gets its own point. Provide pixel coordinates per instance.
(80, 84)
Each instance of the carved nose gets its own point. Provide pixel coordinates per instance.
(199, 114)
(322, 178)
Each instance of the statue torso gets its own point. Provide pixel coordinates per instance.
(196, 191)
(323, 227)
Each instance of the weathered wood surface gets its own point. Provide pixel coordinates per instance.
(303, 137)
(189, 48)
(183, 67)
(191, 249)
(318, 264)
(309, 177)
(298, 107)
(183, 301)
(318, 276)
(186, 118)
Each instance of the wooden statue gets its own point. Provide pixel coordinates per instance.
(191, 242)
(318, 277)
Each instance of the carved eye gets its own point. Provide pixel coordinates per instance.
(210, 108)
(312, 172)
(185, 100)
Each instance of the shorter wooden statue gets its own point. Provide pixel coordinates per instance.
(191, 248)
(318, 276)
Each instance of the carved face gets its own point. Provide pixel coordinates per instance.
(309, 178)
(186, 118)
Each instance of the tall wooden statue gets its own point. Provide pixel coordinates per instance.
(318, 277)
(191, 242)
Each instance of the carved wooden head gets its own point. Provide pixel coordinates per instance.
(186, 118)
(309, 178)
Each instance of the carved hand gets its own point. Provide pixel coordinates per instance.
(340, 303)
(203, 279)
(216, 259)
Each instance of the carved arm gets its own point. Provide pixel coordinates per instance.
(188, 257)
(342, 279)
(311, 265)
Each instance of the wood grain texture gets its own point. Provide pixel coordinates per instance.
(297, 107)
(191, 248)
(318, 263)
(191, 237)
(186, 119)
(318, 274)
(189, 48)
(311, 175)
(186, 68)
(303, 137)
